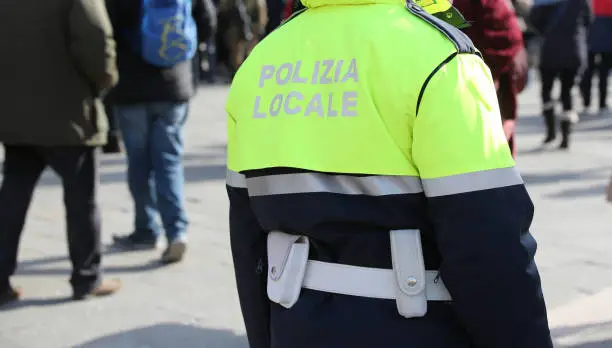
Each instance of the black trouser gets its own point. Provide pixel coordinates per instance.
(603, 68)
(567, 77)
(77, 167)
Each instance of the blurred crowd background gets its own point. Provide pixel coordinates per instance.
(564, 42)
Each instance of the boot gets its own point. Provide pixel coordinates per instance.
(566, 129)
(549, 122)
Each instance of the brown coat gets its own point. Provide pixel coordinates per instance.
(57, 59)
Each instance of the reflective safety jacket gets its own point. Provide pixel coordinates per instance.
(358, 117)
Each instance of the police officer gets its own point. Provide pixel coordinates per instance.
(373, 198)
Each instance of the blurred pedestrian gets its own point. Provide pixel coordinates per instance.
(208, 52)
(52, 116)
(495, 31)
(151, 103)
(562, 25)
(243, 25)
(600, 55)
(234, 32)
(258, 10)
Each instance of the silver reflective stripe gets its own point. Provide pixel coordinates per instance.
(235, 179)
(469, 182)
(342, 184)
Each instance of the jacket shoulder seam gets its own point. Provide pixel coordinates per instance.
(429, 77)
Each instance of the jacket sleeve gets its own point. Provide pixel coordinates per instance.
(249, 252)
(91, 43)
(480, 209)
(205, 15)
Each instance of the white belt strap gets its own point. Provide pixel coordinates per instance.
(365, 281)
(408, 283)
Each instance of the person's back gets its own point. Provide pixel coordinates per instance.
(48, 73)
(324, 142)
(143, 82)
(563, 25)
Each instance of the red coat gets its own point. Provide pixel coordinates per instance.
(288, 11)
(602, 8)
(495, 31)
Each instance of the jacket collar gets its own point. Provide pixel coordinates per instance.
(431, 6)
(320, 3)
(443, 9)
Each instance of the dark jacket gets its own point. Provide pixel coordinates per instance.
(600, 33)
(57, 58)
(601, 29)
(565, 39)
(141, 82)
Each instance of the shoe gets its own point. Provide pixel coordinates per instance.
(566, 129)
(175, 251)
(9, 295)
(604, 112)
(137, 241)
(570, 115)
(587, 112)
(549, 122)
(106, 288)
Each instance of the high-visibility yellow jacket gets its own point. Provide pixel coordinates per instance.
(357, 117)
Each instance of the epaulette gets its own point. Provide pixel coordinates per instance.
(450, 22)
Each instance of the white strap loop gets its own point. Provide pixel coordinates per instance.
(365, 281)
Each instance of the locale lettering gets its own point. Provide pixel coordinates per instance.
(294, 102)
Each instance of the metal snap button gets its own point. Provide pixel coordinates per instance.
(412, 282)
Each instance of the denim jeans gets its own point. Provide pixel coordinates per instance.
(153, 137)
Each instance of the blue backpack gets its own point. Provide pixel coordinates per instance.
(168, 32)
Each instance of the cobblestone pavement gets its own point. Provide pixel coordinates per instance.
(194, 304)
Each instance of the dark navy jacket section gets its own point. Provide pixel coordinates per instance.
(248, 243)
(478, 240)
(565, 40)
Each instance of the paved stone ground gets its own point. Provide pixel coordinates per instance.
(194, 304)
